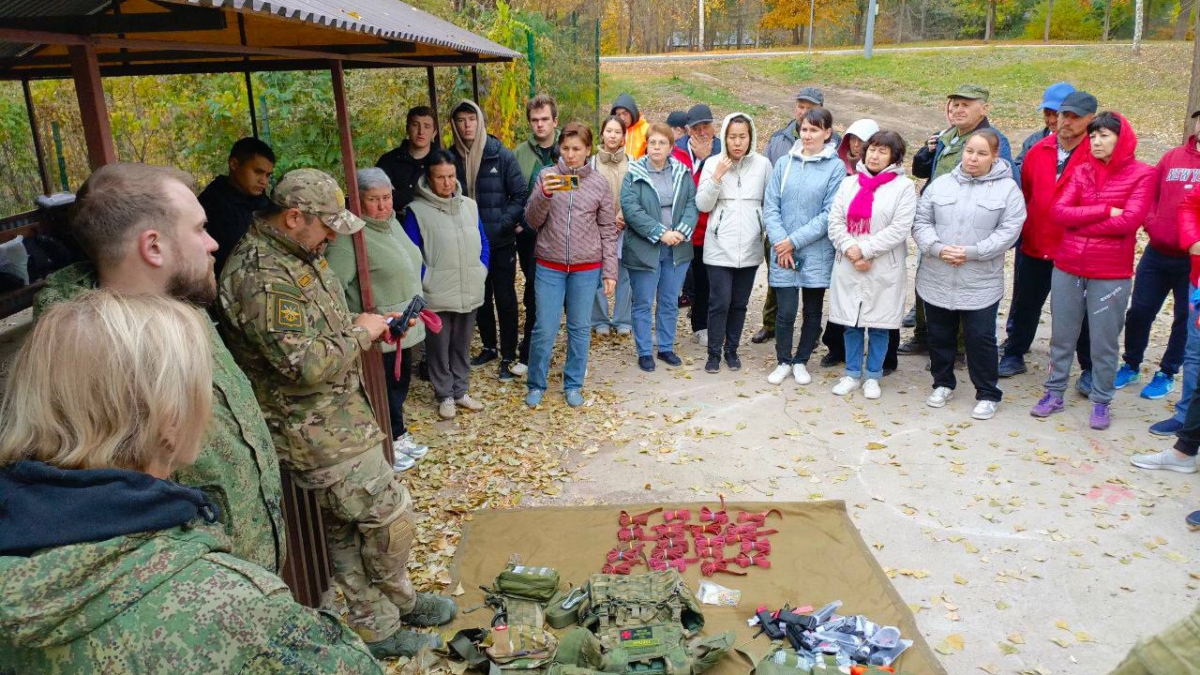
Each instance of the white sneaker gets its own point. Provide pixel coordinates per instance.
(801, 374)
(846, 385)
(939, 397)
(602, 329)
(1167, 459)
(465, 401)
(871, 389)
(781, 371)
(700, 337)
(519, 369)
(446, 409)
(403, 462)
(405, 444)
(984, 410)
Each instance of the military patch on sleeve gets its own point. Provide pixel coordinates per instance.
(287, 314)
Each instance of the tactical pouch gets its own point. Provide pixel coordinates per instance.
(563, 609)
(527, 582)
(517, 647)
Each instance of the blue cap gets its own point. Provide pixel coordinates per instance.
(1055, 93)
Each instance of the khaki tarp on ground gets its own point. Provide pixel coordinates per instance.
(817, 557)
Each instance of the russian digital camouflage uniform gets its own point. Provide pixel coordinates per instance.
(162, 602)
(237, 467)
(285, 319)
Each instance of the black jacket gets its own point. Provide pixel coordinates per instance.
(500, 192)
(404, 172)
(229, 213)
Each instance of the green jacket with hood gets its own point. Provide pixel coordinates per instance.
(113, 571)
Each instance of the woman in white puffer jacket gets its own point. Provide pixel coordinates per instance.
(731, 190)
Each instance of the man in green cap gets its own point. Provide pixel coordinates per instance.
(966, 109)
(285, 319)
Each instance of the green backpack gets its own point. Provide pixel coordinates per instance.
(639, 624)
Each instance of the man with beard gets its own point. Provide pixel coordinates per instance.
(143, 231)
(283, 312)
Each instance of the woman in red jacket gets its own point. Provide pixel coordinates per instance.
(1105, 201)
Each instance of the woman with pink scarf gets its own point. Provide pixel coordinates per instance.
(869, 223)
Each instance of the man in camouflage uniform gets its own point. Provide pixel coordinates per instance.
(143, 232)
(284, 315)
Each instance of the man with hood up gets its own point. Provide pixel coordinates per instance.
(490, 174)
(636, 126)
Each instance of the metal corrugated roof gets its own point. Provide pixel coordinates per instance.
(390, 19)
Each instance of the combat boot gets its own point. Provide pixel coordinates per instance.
(403, 643)
(431, 610)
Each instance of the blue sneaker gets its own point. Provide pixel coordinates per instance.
(534, 397)
(1158, 387)
(1084, 384)
(574, 398)
(1011, 365)
(1193, 520)
(1167, 427)
(1126, 376)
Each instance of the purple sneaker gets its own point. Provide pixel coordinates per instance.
(1046, 407)
(1100, 418)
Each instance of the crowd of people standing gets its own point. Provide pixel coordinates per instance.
(636, 215)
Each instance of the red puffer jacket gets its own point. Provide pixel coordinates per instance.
(1096, 245)
(1041, 185)
(1189, 229)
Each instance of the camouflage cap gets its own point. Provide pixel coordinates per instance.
(317, 193)
(971, 91)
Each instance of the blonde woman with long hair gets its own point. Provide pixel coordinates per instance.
(105, 563)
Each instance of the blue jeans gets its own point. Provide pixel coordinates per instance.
(1157, 276)
(555, 291)
(664, 285)
(1191, 362)
(622, 303)
(876, 350)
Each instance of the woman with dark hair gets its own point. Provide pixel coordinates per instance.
(611, 162)
(445, 225)
(572, 211)
(659, 204)
(1103, 204)
(731, 189)
(796, 214)
(869, 223)
(966, 221)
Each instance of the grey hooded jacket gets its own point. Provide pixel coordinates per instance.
(985, 215)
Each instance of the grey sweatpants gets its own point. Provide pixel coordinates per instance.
(1105, 302)
(449, 354)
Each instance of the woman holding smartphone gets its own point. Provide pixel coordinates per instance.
(571, 209)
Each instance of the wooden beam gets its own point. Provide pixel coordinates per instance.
(36, 132)
(92, 107)
(431, 84)
(44, 37)
(475, 83)
(223, 65)
(372, 361)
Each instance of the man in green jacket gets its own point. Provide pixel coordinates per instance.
(119, 222)
(535, 153)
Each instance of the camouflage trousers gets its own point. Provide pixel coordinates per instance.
(369, 527)
(1175, 651)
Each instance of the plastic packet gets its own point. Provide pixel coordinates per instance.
(716, 594)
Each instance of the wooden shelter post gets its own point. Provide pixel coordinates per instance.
(475, 82)
(431, 83)
(373, 375)
(92, 107)
(37, 137)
